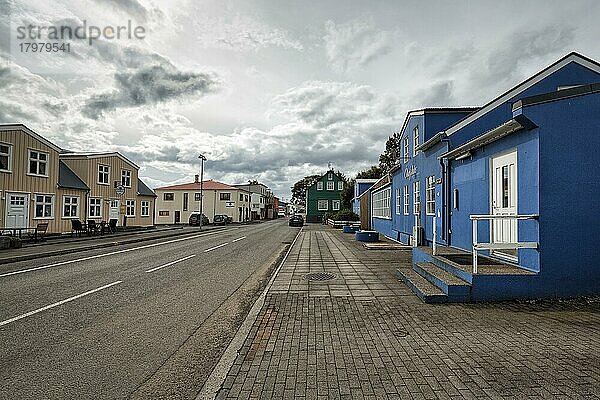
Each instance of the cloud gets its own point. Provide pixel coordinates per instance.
(354, 43)
(131, 7)
(147, 86)
(242, 33)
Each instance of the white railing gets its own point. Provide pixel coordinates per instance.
(498, 246)
(434, 248)
(337, 224)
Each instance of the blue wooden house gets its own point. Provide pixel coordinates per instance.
(502, 201)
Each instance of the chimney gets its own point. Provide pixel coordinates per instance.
(196, 178)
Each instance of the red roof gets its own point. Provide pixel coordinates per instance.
(208, 185)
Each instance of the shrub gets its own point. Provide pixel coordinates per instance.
(345, 215)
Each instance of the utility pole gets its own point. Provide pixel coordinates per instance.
(202, 159)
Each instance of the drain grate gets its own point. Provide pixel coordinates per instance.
(319, 276)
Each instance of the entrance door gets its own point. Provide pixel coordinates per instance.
(177, 217)
(113, 210)
(504, 201)
(17, 210)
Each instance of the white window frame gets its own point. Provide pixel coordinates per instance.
(44, 204)
(96, 206)
(129, 206)
(398, 201)
(406, 200)
(37, 162)
(335, 205)
(406, 149)
(103, 170)
(416, 197)
(430, 196)
(330, 185)
(415, 139)
(330, 176)
(382, 207)
(126, 178)
(320, 185)
(144, 205)
(320, 202)
(9, 157)
(72, 206)
(340, 185)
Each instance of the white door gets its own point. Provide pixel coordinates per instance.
(113, 210)
(17, 210)
(504, 200)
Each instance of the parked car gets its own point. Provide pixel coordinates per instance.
(222, 219)
(281, 214)
(296, 220)
(195, 219)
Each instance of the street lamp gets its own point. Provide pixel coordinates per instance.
(202, 159)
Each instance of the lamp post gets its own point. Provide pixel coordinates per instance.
(202, 159)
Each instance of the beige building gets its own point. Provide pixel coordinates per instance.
(41, 183)
(174, 204)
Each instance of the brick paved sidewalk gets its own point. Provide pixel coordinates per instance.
(365, 335)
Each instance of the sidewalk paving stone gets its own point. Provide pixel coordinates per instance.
(363, 334)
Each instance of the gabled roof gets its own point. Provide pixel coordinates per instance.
(68, 179)
(21, 127)
(69, 154)
(144, 190)
(569, 58)
(435, 110)
(207, 185)
(576, 91)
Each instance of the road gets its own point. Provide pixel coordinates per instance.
(146, 320)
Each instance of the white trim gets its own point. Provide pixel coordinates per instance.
(78, 205)
(10, 157)
(322, 209)
(132, 207)
(52, 205)
(98, 174)
(142, 208)
(89, 207)
(99, 155)
(23, 128)
(521, 88)
(38, 161)
(130, 177)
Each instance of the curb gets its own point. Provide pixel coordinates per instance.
(34, 256)
(214, 382)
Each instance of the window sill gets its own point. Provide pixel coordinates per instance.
(388, 218)
(103, 184)
(6, 171)
(43, 218)
(36, 175)
(70, 217)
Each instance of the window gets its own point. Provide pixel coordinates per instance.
(163, 213)
(320, 185)
(126, 178)
(398, 201)
(340, 185)
(168, 196)
(196, 196)
(415, 139)
(38, 163)
(416, 197)
(406, 200)
(406, 148)
(225, 196)
(430, 196)
(241, 197)
(246, 198)
(103, 174)
(44, 205)
(95, 207)
(145, 209)
(70, 207)
(130, 208)
(335, 205)
(330, 176)
(185, 201)
(5, 157)
(323, 205)
(330, 185)
(382, 204)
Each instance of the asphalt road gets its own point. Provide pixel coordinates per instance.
(146, 320)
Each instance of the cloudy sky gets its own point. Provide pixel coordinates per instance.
(271, 89)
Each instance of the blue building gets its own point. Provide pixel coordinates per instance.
(509, 190)
(360, 186)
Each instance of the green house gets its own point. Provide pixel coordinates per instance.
(323, 196)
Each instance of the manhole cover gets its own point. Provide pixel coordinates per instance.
(319, 276)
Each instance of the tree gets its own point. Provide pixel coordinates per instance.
(253, 182)
(391, 155)
(374, 172)
(300, 187)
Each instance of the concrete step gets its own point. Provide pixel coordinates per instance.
(452, 268)
(424, 289)
(457, 289)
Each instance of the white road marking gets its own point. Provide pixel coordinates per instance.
(107, 254)
(216, 247)
(30, 313)
(238, 239)
(171, 263)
